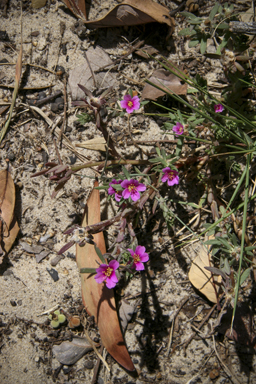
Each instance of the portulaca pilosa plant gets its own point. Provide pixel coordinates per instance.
(140, 182)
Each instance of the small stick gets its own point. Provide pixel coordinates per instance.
(202, 323)
(47, 98)
(173, 321)
(97, 366)
(62, 130)
(93, 76)
(136, 46)
(226, 369)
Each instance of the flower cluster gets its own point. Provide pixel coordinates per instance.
(131, 188)
(107, 272)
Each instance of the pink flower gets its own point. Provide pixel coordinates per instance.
(170, 176)
(106, 272)
(132, 188)
(139, 256)
(130, 103)
(178, 129)
(112, 191)
(218, 108)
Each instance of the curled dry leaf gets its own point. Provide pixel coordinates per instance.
(9, 228)
(129, 12)
(98, 300)
(201, 278)
(165, 80)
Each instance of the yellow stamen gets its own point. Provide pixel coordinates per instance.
(136, 258)
(131, 187)
(108, 271)
(130, 103)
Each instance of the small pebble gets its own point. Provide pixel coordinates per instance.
(41, 95)
(53, 273)
(4, 36)
(11, 156)
(13, 303)
(88, 364)
(56, 260)
(54, 107)
(60, 70)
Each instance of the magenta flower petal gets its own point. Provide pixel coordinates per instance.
(178, 128)
(135, 196)
(171, 176)
(114, 264)
(99, 278)
(130, 103)
(218, 108)
(139, 257)
(112, 190)
(141, 187)
(106, 272)
(131, 189)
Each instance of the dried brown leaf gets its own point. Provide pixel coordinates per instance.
(97, 57)
(9, 240)
(36, 4)
(129, 12)
(96, 144)
(201, 278)
(98, 300)
(165, 80)
(7, 201)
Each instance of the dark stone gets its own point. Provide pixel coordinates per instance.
(13, 303)
(53, 273)
(54, 107)
(88, 364)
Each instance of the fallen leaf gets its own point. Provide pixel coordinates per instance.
(129, 12)
(98, 300)
(96, 144)
(7, 201)
(146, 50)
(69, 352)
(36, 4)
(13, 232)
(82, 74)
(165, 80)
(9, 227)
(201, 278)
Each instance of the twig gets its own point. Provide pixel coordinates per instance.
(173, 321)
(134, 48)
(186, 343)
(226, 369)
(48, 98)
(97, 366)
(91, 70)
(62, 130)
(18, 71)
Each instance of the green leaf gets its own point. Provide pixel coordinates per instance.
(126, 173)
(244, 276)
(187, 32)
(87, 270)
(203, 45)
(193, 43)
(189, 15)
(214, 11)
(99, 254)
(223, 26)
